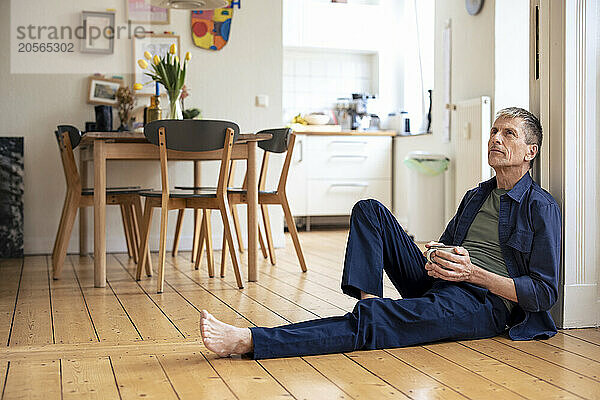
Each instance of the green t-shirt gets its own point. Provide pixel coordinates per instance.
(482, 241)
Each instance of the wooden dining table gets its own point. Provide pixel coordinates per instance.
(98, 147)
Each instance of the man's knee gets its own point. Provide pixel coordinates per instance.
(367, 206)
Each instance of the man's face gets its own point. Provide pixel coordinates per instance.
(507, 146)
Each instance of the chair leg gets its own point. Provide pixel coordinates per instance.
(134, 230)
(72, 205)
(144, 250)
(236, 223)
(126, 225)
(267, 222)
(196, 239)
(138, 221)
(209, 247)
(261, 242)
(199, 238)
(289, 219)
(162, 252)
(61, 225)
(226, 217)
(223, 255)
(178, 232)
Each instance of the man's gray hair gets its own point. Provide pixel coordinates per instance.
(533, 128)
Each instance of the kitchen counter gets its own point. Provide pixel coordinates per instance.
(347, 133)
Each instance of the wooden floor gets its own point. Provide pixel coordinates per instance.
(66, 339)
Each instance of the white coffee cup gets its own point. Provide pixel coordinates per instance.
(447, 249)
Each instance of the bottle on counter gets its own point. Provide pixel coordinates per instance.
(154, 112)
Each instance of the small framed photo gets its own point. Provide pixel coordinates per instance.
(99, 35)
(155, 44)
(142, 12)
(103, 90)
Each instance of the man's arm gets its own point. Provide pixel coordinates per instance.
(535, 291)
(458, 267)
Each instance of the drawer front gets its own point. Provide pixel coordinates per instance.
(349, 157)
(338, 196)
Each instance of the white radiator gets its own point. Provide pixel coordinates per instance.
(471, 122)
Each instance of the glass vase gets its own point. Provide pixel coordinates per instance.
(174, 105)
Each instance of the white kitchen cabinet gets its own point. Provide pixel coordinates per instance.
(331, 173)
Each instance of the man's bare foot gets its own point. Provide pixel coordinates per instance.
(222, 338)
(364, 295)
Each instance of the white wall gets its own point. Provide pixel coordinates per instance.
(511, 54)
(223, 84)
(472, 76)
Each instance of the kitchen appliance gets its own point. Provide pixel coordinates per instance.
(356, 113)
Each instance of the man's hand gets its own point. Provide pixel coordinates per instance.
(451, 267)
(430, 244)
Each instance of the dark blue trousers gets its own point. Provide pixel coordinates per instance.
(430, 309)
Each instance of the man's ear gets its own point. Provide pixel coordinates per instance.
(532, 150)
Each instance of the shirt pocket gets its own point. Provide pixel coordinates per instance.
(521, 240)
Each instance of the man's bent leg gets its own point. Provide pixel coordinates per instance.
(376, 243)
(446, 312)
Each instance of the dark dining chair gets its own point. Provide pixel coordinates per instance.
(190, 136)
(68, 138)
(282, 141)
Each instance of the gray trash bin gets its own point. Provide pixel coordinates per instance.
(426, 194)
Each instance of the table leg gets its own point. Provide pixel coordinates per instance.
(252, 213)
(83, 216)
(99, 214)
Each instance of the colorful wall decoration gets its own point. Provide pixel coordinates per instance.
(210, 28)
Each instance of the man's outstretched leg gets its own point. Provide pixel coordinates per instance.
(222, 338)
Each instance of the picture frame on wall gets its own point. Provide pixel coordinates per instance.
(103, 90)
(142, 12)
(155, 44)
(99, 32)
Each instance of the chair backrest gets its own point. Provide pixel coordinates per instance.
(73, 132)
(191, 134)
(278, 143)
(283, 140)
(196, 136)
(68, 138)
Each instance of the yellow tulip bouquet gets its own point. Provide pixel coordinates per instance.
(169, 72)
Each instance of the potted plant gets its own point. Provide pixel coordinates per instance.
(170, 72)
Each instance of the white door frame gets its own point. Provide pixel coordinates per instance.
(568, 45)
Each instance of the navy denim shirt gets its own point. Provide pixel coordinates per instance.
(529, 230)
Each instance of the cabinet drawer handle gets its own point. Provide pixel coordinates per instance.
(349, 185)
(348, 142)
(350, 156)
(300, 144)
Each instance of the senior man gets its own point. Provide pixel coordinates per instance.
(503, 272)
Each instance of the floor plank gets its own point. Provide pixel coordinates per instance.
(302, 380)
(499, 372)
(33, 320)
(452, 375)
(88, 378)
(571, 361)
(147, 317)
(193, 377)
(561, 377)
(72, 323)
(33, 380)
(247, 379)
(592, 335)
(410, 381)
(141, 376)
(10, 274)
(352, 378)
